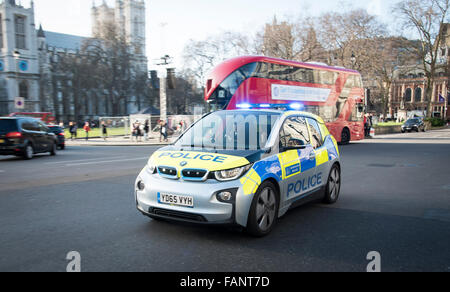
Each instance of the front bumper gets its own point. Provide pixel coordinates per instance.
(207, 208)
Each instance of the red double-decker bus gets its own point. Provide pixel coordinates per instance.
(333, 93)
(47, 118)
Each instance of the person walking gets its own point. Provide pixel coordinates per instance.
(366, 126)
(87, 129)
(146, 130)
(164, 131)
(104, 131)
(72, 130)
(136, 131)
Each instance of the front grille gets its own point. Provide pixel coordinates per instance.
(169, 171)
(177, 215)
(194, 173)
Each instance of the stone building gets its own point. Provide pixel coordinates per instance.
(408, 89)
(30, 61)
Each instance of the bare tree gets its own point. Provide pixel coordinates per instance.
(426, 18)
(350, 37)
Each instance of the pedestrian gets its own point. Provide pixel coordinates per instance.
(72, 130)
(366, 126)
(160, 130)
(136, 131)
(164, 131)
(87, 129)
(146, 129)
(104, 131)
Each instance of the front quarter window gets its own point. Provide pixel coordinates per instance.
(294, 133)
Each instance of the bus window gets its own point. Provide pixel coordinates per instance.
(223, 94)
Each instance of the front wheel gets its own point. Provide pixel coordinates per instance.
(264, 211)
(333, 188)
(345, 137)
(53, 149)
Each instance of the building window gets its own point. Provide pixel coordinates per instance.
(408, 95)
(418, 94)
(23, 89)
(20, 32)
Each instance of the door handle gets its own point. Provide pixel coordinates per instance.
(312, 156)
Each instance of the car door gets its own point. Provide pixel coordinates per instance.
(48, 137)
(297, 157)
(321, 154)
(39, 136)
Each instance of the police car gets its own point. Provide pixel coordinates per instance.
(242, 167)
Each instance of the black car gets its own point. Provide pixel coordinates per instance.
(415, 124)
(60, 135)
(26, 137)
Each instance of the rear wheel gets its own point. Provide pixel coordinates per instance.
(29, 152)
(333, 188)
(345, 137)
(264, 211)
(53, 149)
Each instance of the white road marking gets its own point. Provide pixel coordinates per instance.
(107, 161)
(84, 160)
(1, 171)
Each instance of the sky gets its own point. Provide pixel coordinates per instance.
(172, 23)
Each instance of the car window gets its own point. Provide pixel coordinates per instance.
(43, 128)
(35, 126)
(294, 133)
(7, 126)
(316, 136)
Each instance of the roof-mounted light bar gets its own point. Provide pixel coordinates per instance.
(290, 106)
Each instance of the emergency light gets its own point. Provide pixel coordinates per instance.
(285, 107)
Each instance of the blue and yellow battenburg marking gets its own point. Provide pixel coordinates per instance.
(286, 165)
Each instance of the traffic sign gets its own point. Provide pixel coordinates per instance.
(19, 103)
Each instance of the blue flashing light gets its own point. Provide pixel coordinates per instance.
(296, 106)
(264, 105)
(244, 106)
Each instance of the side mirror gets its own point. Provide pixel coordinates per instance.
(300, 147)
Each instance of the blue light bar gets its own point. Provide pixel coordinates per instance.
(296, 106)
(292, 106)
(244, 106)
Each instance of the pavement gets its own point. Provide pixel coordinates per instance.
(118, 141)
(395, 200)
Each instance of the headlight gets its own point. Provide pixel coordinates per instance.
(231, 174)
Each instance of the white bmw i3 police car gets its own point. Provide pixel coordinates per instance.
(242, 167)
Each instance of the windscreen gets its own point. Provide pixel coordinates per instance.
(230, 130)
(8, 126)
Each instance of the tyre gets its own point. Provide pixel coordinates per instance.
(345, 137)
(264, 210)
(403, 131)
(29, 152)
(333, 188)
(53, 150)
(62, 147)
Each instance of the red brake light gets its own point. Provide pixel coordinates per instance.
(14, 135)
(61, 134)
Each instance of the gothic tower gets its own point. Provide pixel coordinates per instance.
(130, 16)
(19, 66)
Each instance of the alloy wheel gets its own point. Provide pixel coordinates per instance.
(266, 209)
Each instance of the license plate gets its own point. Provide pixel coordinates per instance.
(176, 200)
(2, 141)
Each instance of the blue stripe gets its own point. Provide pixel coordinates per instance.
(308, 164)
